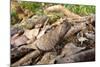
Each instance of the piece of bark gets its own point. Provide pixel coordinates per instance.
(31, 34)
(18, 53)
(74, 29)
(60, 8)
(71, 48)
(90, 19)
(47, 58)
(15, 30)
(32, 61)
(19, 40)
(85, 19)
(27, 58)
(53, 37)
(41, 21)
(84, 56)
(43, 31)
(90, 35)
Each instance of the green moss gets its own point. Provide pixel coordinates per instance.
(14, 17)
(81, 9)
(38, 9)
(54, 16)
(13, 13)
(34, 7)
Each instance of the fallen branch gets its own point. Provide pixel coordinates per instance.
(88, 55)
(18, 53)
(27, 58)
(59, 8)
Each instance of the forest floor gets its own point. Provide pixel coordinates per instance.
(51, 33)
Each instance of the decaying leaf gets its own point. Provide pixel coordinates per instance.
(31, 33)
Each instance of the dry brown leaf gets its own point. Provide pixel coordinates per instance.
(31, 33)
(20, 40)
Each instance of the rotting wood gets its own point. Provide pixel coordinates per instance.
(25, 59)
(88, 55)
(19, 52)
